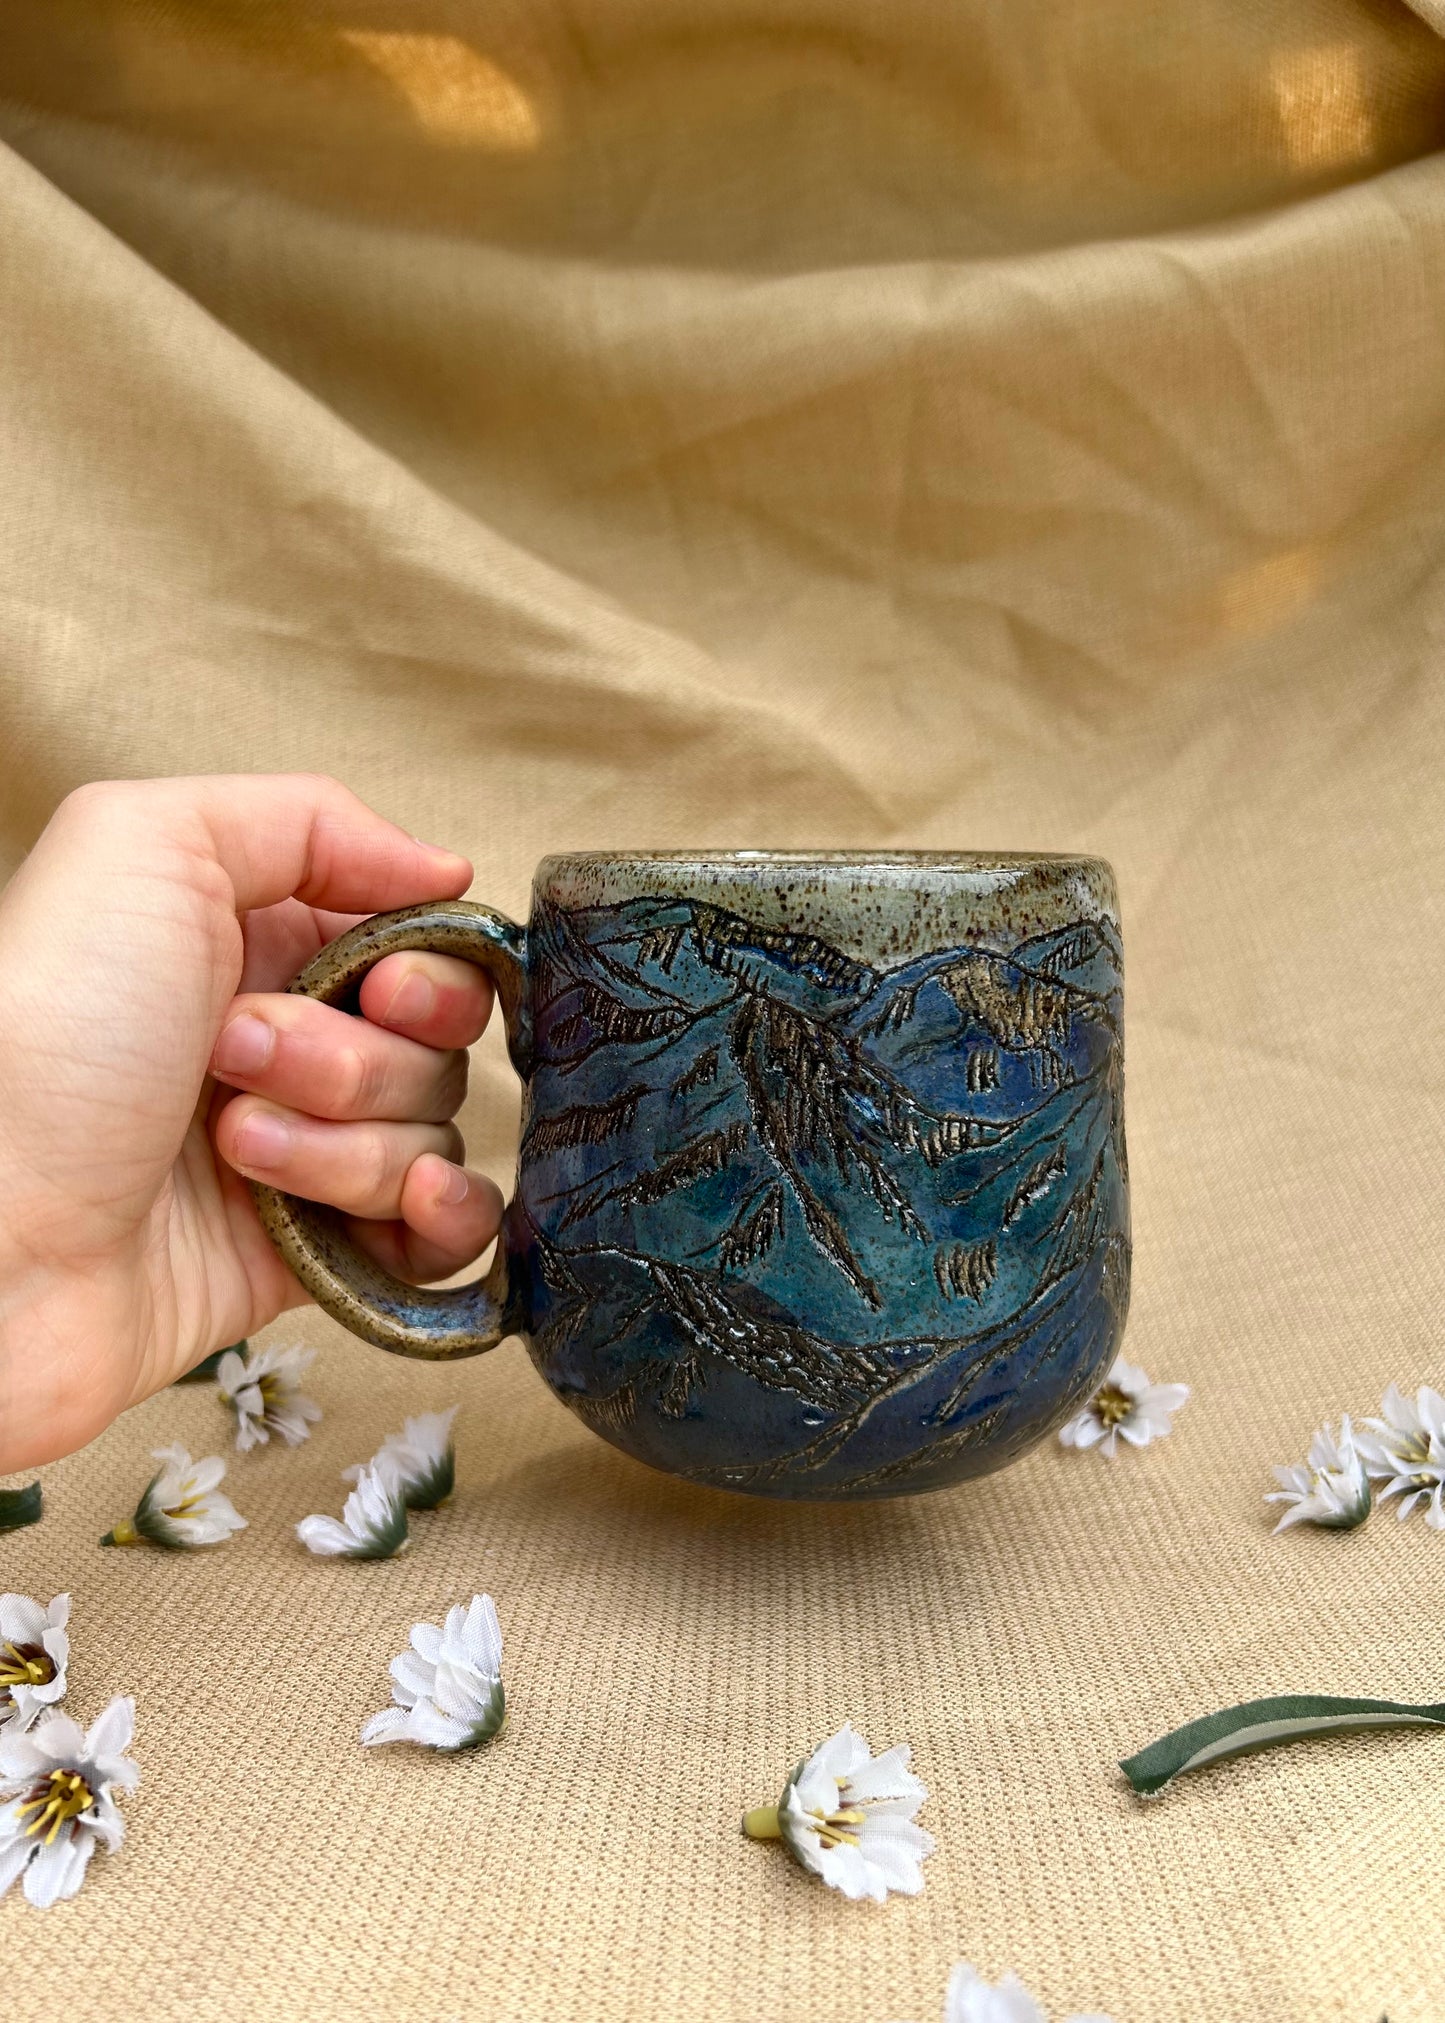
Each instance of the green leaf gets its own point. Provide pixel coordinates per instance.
(1261, 1724)
(207, 1367)
(19, 1507)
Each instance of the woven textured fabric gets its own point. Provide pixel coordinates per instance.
(621, 424)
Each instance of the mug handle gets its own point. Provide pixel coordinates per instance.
(436, 1323)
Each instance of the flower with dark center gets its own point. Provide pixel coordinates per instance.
(56, 1806)
(34, 1653)
(1126, 1406)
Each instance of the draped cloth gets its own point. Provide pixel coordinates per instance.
(664, 422)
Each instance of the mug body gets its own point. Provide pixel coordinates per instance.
(822, 1188)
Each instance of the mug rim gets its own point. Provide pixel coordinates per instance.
(949, 860)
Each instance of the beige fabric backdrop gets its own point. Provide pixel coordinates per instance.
(594, 422)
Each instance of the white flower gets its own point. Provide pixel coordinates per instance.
(448, 1686)
(373, 1524)
(1331, 1490)
(34, 1653)
(181, 1505)
(1406, 1449)
(58, 1782)
(423, 1459)
(1126, 1406)
(262, 1388)
(971, 1999)
(848, 1816)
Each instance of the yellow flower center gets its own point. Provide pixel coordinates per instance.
(273, 1391)
(1110, 1406)
(24, 1665)
(763, 1823)
(833, 1828)
(63, 1795)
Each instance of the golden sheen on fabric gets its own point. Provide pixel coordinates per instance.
(669, 425)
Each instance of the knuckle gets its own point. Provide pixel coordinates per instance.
(96, 800)
(372, 1166)
(321, 784)
(356, 1086)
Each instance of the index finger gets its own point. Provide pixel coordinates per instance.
(280, 836)
(435, 999)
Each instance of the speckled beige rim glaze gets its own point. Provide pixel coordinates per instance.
(822, 1188)
(881, 905)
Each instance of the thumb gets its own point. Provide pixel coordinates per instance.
(281, 835)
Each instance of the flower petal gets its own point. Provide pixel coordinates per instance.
(844, 1868)
(326, 1537)
(426, 1641)
(58, 1739)
(20, 1761)
(481, 1635)
(230, 1375)
(1128, 1377)
(413, 1678)
(435, 1729)
(841, 1754)
(887, 1776)
(392, 1724)
(1138, 1431)
(111, 1732)
(22, 1621)
(460, 1692)
(896, 1855)
(58, 1870)
(971, 1999)
(13, 1856)
(1168, 1398)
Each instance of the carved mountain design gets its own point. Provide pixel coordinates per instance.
(749, 1156)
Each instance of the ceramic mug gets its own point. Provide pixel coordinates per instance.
(822, 1188)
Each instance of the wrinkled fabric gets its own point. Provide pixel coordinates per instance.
(1001, 425)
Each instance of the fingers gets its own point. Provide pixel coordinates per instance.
(407, 1203)
(309, 1057)
(280, 940)
(278, 836)
(450, 1215)
(360, 1168)
(431, 998)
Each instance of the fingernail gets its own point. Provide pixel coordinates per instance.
(411, 1001)
(454, 1188)
(263, 1141)
(244, 1046)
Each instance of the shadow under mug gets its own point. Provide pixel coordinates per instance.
(822, 1188)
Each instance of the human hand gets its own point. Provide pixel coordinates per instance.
(144, 944)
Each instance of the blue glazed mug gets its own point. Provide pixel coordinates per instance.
(822, 1188)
